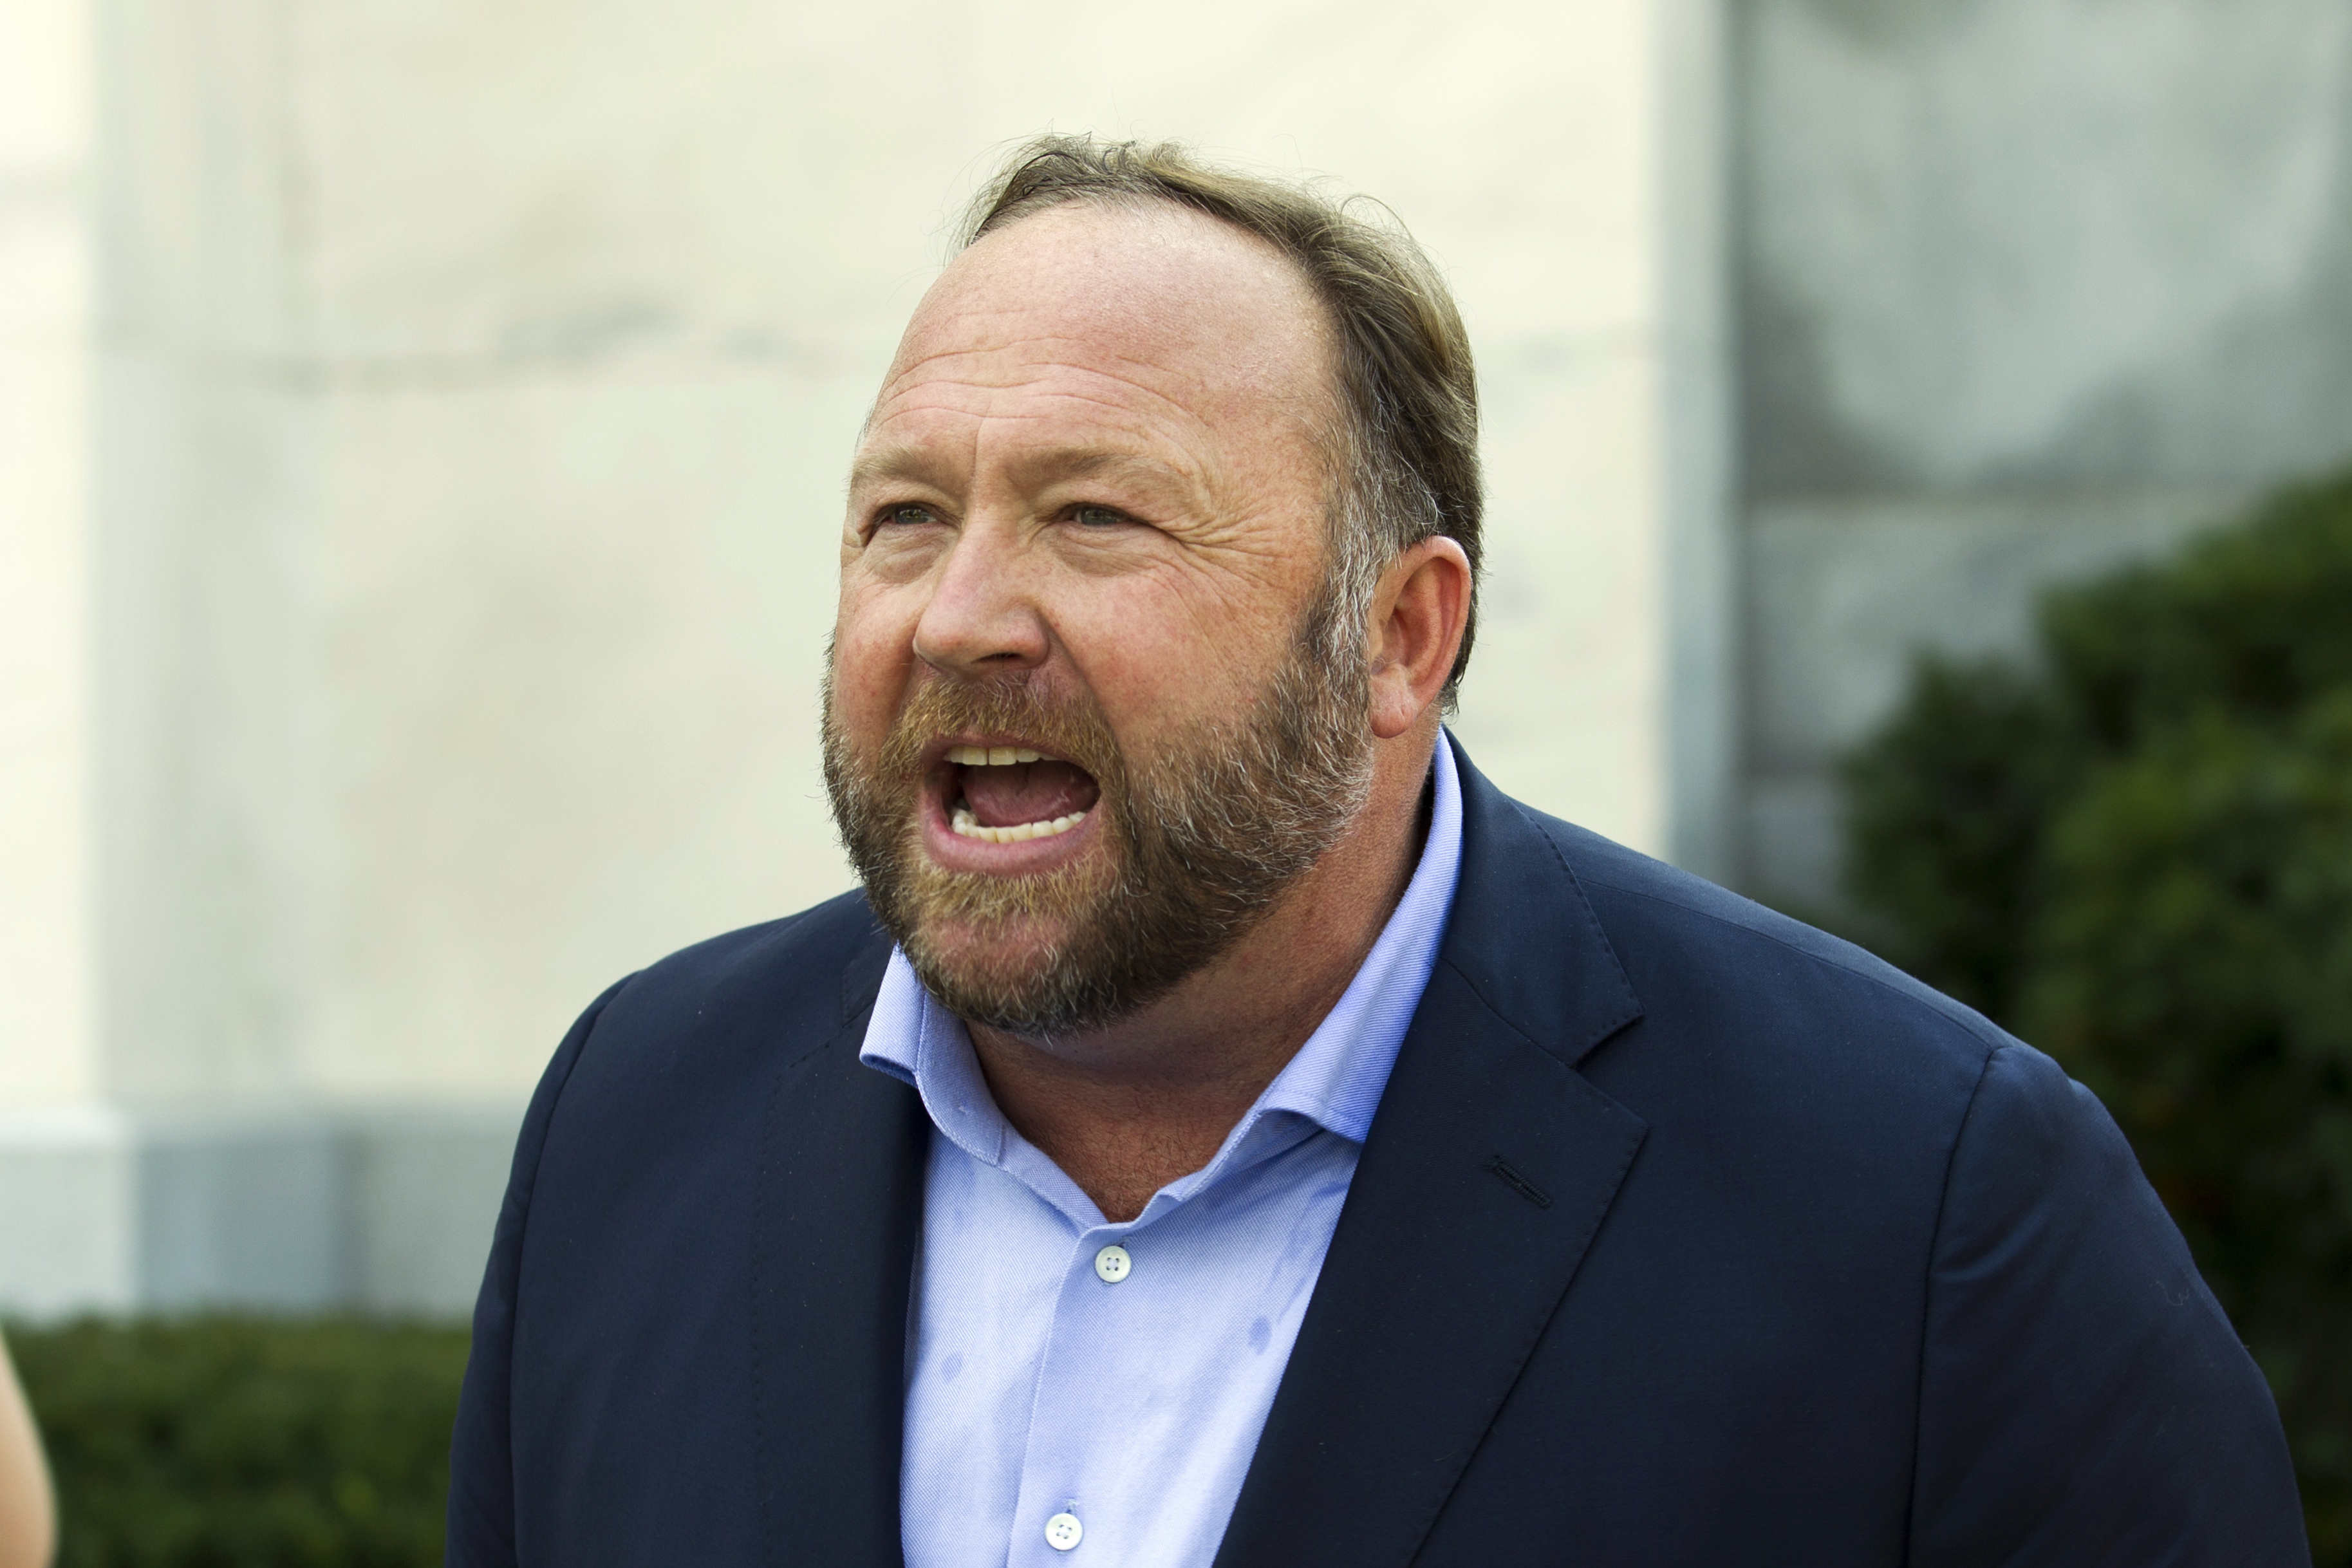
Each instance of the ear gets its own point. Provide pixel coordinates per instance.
(1419, 614)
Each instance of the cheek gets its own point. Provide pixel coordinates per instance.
(872, 655)
(1150, 658)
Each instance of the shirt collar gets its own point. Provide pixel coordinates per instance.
(1335, 1080)
(1337, 1077)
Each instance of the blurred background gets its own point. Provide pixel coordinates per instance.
(422, 430)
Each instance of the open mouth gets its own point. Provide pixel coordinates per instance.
(1009, 794)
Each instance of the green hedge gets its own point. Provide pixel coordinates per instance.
(2136, 851)
(246, 1443)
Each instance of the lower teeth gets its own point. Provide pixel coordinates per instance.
(969, 826)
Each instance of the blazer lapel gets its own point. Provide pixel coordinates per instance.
(1488, 1171)
(838, 1214)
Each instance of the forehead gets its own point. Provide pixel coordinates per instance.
(1151, 322)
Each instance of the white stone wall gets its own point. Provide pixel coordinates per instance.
(476, 382)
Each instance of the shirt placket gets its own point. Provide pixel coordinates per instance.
(1088, 1378)
(1120, 1294)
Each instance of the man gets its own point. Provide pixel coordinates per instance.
(1225, 1129)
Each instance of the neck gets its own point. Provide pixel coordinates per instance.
(1130, 1108)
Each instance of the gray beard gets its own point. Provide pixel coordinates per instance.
(1201, 844)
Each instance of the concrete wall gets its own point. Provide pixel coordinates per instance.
(473, 385)
(292, 1208)
(2026, 287)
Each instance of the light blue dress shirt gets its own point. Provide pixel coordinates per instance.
(1120, 1400)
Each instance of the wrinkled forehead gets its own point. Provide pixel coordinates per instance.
(1159, 312)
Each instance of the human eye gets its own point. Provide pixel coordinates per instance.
(902, 520)
(1099, 517)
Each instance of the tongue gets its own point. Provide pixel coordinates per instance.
(1026, 792)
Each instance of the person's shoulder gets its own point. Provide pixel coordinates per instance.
(1750, 1019)
(1660, 918)
(678, 1044)
(821, 965)
(832, 931)
(1768, 1060)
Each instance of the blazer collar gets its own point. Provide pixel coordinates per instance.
(837, 1214)
(1524, 936)
(1490, 1166)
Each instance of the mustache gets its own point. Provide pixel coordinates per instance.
(1053, 719)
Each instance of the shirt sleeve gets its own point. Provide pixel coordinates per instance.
(2083, 1401)
(481, 1448)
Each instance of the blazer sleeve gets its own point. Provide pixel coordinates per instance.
(2083, 1401)
(481, 1448)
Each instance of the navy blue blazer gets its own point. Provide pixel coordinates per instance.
(1685, 1235)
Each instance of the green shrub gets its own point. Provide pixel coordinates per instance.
(246, 1443)
(2137, 852)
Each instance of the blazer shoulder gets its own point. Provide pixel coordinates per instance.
(824, 961)
(1764, 1046)
(679, 1052)
(1666, 922)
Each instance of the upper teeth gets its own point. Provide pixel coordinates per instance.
(992, 756)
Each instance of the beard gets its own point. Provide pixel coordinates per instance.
(1198, 841)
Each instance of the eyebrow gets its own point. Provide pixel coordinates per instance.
(895, 462)
(909, 462)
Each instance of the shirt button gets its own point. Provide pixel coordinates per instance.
(1112, 1265)
(1064, 1531)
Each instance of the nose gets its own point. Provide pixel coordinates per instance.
(984, 616)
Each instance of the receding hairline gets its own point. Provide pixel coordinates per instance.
(1154, 207)
(1320, 312)
(1324, 377)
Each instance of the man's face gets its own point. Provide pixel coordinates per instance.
(1091, 706)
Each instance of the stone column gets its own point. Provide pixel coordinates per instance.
(65, 1239)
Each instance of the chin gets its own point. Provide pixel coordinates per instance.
(992, 968)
